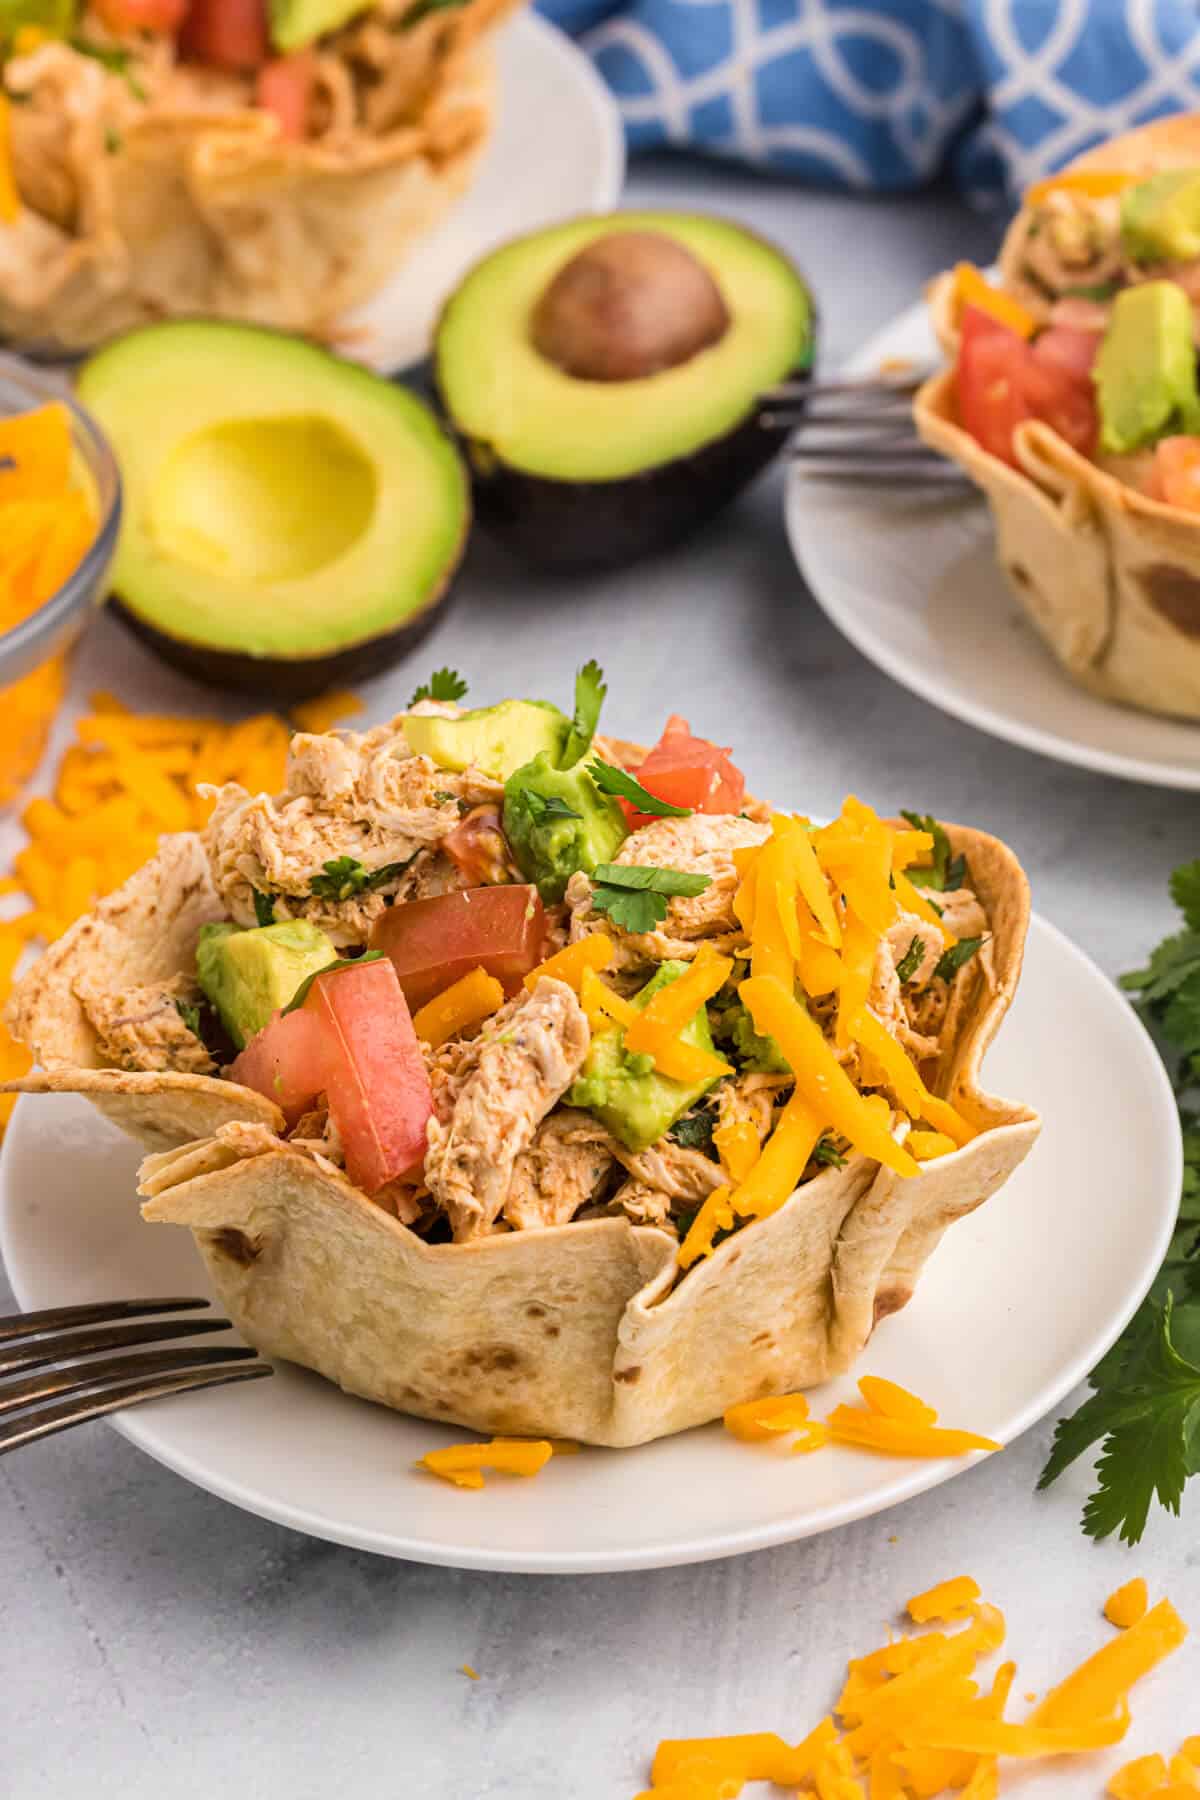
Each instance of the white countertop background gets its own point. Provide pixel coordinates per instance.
(156, 1642)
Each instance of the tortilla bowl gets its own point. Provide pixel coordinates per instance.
(1109, 577)
(208, 210)
(583, 1330)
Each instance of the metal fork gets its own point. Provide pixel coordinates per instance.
(857, 428)
(71, 1389)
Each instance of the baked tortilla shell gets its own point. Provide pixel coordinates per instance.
(1109, 577)
(583, 1330)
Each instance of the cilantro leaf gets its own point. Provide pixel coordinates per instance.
(1103, 290)
(590, 690)
(443, 684)
(611, 780)
(694, 1131)
(264, 908)
(957, 957)
(546, 806)
(911, 961)
(1185, 892)
(635, 898)
(345, 876)
(947, 871)
(827, 1155)
(1149, 1423)
(333, 968)
(189, 1012)
(114, 59)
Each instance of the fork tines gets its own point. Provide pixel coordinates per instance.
(70, 1389)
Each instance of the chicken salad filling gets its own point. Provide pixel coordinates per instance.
(508, 975)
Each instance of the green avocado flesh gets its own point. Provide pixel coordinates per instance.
(496, 739)
(1160, 218)
(278, 502)
(250, 975)
(1145, 373)
(528, 413)
(636, 1103)
(550, 845)
(295, 23)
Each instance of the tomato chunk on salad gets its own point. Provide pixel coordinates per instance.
(1002, 381)
(688, 771)
(283, 1061)
(375, 1080)
(228, 34)
(433, 943)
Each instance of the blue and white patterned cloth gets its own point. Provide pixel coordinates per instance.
(889, 93)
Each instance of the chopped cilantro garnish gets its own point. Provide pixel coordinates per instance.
(1103, 290)
(611, 780)
(694, 1131)
(264, 908)
(827, 1155)
(957, 957)
(1144, 1410)
(546, 806)
(114, 59)
(590, 690)
(189, 1012)
(443, 684)
(947, 871)
(333, 968)
(345, 876)
(635, 898)
(911, 961)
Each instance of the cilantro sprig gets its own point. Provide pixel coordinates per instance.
(590, 690)
(911, 961)
(443, 684)
(345, 876)
(333, 968)
(611, 780)
(635, 898)
(947, 871)
(546, 806)
(957, 957)
(1144, 1410)
(264, 907)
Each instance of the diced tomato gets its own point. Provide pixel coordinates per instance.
(1177, 472)
(285, 1062)
(375, 1080)
(120, 16)
(1002, 381)
(227, 34)
(435, 942)
(479, 849)
(688, 771)
(285, 88)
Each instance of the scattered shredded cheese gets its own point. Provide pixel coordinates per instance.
(466, 1002)
(895, 1402)
(326, 711)
(916, 1719)
(971, 288)
(1095, 1688)
(1128, 1604)
(895, 1437)
(593, 952)
(463, 1464)
(1095, 184)
(470, 1673)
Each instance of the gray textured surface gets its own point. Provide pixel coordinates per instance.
(158, 1643)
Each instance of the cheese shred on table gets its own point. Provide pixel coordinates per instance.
(918, 1717)
(126, 779)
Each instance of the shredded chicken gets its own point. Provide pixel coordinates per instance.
(517, 1069)
(751, 1098)
(642, 1204)
(910, 929)
(143, 1028)
(962, 914)
(560, 1172)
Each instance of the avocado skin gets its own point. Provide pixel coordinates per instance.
(573, 527)
(291, 679)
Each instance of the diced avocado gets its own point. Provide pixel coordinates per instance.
(750, 1049)
(250, 975)
(496, 739)
(557, 821)
(1145, 374)
(626, 1093)
(57, 17)
(1160, 218)
(295, 23)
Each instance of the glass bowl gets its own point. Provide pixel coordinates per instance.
(34, 653)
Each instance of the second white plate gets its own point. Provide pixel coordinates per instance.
(912, 581)
(1019, 1301)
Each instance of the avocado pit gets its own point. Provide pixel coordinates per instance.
(628, 305)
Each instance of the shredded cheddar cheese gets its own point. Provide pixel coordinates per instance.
(326, 711)
(893, 1402)
(971, 288)
(896, 1437)
(127, 778)
(739, 1148)
(948, 1600)
(1099, 1684)
(467, 1002)
(671, 1056)
(1138, 1779)
(470, 1673)
(1094, 184)
(593, 953)
(1128, 1604)
(10, 199)
(463, 1464)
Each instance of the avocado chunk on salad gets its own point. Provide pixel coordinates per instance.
(626, 1093)
(1145, 373)
(558, 822)
(494, 739)
(250, 975)
(1160, 218)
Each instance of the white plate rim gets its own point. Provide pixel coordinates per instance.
(138, 1426)
(908, 674)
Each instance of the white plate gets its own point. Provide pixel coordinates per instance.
(1017, 1304)
(557, 149)
(913, 583)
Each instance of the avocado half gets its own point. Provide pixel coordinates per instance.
(292, 522)
(574, 472)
